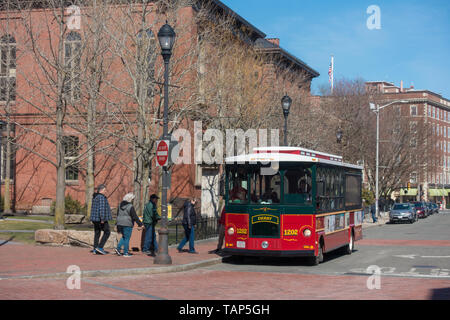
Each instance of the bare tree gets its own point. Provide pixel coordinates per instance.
(138, 86)
(7, 96)
(400, 138)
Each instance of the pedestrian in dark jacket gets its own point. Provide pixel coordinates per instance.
(189, 221)
(221, 231)
(373, 211)
(100, 215)
(151, 218)
(126, 217)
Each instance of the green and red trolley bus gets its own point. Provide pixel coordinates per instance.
(292, 202)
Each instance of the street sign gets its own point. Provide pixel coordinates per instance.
(162, 153)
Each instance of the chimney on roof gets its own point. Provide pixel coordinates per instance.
(275, 41)
(401, 85)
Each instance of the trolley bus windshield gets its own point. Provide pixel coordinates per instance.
(247, 185)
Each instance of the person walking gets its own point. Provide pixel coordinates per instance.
(151, 218)
(373, 211)
(221, 232)
(189, 222)
(126, 217)
(100, 215)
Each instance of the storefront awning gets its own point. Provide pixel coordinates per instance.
(437, 192)
(408, 192)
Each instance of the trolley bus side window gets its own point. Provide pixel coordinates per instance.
(298, 186)
(330, 188)
(352, 190)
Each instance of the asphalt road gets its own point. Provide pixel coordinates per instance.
(392, 262)
(421, 249)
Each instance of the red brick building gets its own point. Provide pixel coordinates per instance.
(430, 180)
(30, 80)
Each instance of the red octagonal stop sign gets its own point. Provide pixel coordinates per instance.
(162, 153)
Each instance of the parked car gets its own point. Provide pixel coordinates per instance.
(403, 212)
(421, 209)
(435, 207)
(430, 208)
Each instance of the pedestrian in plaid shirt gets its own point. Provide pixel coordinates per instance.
(100, 215)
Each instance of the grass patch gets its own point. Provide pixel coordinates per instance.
(25, 237)
(25, 225)
(18, 237)
(41, 218)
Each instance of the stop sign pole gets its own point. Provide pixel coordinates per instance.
(166, 37)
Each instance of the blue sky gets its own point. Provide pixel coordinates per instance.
(413, 43)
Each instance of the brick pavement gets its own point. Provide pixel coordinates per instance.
(39, 272)
(202, 284)
(32, 261)
(22, 260)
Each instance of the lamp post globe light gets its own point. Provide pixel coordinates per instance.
(376, 108)
(286, 102)
(166, 37)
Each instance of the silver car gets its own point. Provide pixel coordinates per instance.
(403, 212)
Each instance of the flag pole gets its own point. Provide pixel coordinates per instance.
(332, 73)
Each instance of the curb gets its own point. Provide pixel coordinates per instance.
(123, 272)
(369, 225)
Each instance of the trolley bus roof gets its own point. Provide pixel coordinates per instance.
(289, 154)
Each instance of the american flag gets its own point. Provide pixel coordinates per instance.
(330, 72)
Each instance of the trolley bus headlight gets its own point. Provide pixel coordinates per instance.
(230, 231)
(307, 233)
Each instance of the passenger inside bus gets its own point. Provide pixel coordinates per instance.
(238, 192)
(265, 189)
(304, 187)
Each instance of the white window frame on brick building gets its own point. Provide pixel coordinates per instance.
(71, 152)
(72, 64)
(7, 68)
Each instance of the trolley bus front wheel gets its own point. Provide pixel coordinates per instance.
(319, 258)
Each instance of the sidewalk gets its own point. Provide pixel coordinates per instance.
(23, 261)
(367, 223)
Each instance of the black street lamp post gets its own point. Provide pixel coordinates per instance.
(286, 105)
(166, 37)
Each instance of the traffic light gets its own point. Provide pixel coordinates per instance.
(409, 185)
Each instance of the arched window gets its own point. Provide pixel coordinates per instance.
(7, 68)
(72, 61)
(146, 56)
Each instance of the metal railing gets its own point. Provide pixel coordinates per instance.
(205, 228)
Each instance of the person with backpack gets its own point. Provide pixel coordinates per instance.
(151, 218)
(126, 217)
(100, 215)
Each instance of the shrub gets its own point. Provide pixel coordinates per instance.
(72, 206)
(368, 196)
